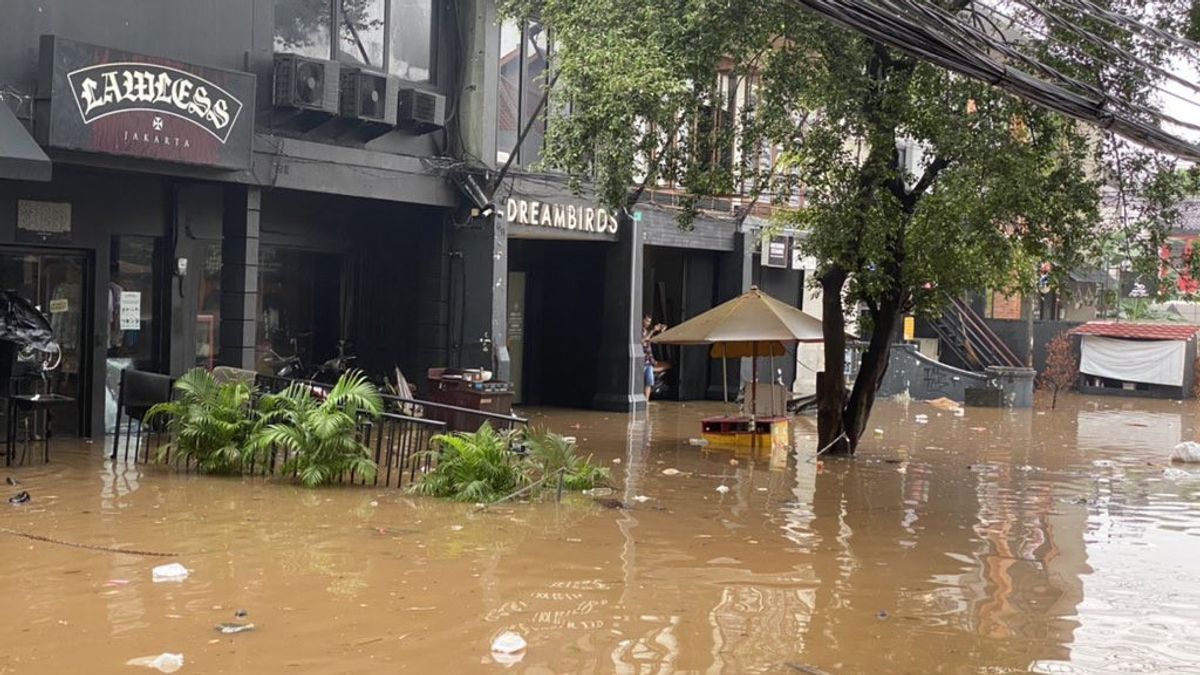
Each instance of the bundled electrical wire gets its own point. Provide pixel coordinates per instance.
(928, 32)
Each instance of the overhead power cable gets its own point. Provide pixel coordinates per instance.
(915, 29)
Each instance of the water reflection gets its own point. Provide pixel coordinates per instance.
(993, 542)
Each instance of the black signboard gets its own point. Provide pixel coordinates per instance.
(116, 102)
(777, 251)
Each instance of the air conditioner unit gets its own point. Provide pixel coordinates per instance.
(420, 111)
(305, 83)
(368, 96)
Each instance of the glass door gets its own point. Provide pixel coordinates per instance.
(57, 284)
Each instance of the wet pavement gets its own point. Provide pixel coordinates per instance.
(1053, 541)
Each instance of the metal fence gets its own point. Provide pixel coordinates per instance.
(399, 444)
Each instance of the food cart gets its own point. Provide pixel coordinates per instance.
(752, 325)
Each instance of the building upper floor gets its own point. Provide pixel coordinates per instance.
(359, 97)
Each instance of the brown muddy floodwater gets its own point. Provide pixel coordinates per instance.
(992, 543)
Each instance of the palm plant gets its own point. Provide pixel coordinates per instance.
(473, 467)
(321, 435)
(550, 452)
(482, 467)
(211, 422)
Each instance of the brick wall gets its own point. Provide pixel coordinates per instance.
(1006, 307)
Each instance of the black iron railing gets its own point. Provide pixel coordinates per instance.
(397, 443)
(966, 334)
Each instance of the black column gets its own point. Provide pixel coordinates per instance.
(619, 371)
(239, 276)
(481, 248)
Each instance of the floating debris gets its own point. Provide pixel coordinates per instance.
(163, 663)
(723, 489)
(169, 572)
(230, 628)
(671, 472)
(21, 497)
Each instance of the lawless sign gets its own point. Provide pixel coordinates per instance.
(105, 100)
(560, 216)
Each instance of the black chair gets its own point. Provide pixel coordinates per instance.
(139, 391)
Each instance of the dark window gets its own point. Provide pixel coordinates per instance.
(299, 304)
(302, 27)
(360, 32)
(410, 49)
(533, 83)
(524, 60)
(508, 99)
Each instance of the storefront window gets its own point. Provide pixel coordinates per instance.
(302, 27)
(208, 308)
(56, 284)
(299, 305)
(130, 312)
(360, 32)
(385, 35)
(410, 51)
(131, 300)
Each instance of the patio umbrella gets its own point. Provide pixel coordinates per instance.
(751, 325)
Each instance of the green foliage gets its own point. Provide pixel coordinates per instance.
(999, 186)
(482, 467)
(321, 435)
(473, 467)
(550, 452)
(211, 423)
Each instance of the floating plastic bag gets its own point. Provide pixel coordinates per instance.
(163, 663)
(508, 648)
(1188, 452)
(171, 572)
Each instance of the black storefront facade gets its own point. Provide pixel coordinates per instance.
(181, 217)
(557, 283)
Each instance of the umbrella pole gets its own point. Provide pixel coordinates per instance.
(754, 400)
(772, 383)
(725, 376)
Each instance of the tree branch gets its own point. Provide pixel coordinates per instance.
(931, 173)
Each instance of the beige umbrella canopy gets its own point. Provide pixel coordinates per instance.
(753, 324)
(739, 324)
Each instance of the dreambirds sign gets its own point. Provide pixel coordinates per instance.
(104, 100)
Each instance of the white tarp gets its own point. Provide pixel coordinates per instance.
(1148, 361)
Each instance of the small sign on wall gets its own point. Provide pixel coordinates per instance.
(43, 222)
(776, 252)
(131, 310)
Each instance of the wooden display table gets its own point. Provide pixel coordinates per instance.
(449, 387)
(744, 437)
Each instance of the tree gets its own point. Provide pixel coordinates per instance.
(1061, 369)
(1002, 185)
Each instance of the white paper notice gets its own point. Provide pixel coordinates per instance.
(131, 310)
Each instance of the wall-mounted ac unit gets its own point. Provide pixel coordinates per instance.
(420, 111)
(305, 83)
(368, 96)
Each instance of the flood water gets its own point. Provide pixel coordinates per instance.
(996, 542)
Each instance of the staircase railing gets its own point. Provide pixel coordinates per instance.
(967, 335)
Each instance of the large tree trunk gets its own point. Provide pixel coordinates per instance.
(831, 384)
(871, 372)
